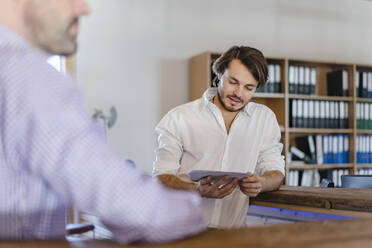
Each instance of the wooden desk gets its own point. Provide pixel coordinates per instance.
(340, 201)
(325, 234)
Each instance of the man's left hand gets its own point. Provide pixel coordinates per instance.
(252, 185)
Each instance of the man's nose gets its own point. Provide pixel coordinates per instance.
(238, 91)
(82, 8)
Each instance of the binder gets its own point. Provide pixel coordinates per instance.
(335, 149)
(296, 82)
(365, 84)
(335, 177)
(370, 117)
(322, 115)
(325, 150)
(306, 113)
(370, 149)
(337, 114)
(346, 149)
(307, 178)
(317, 114)
(294, 118)
(327, 115)
(346, 120)
(364, 149)
(291, 178)
(357, 83)
(300, 154)
(369, 80)
(364, 115)
(341, 119)
(337, 83)
(300, 117)
(302, 143)
(319, 148)
(362, 121)
(332, 119)
(361, 153)
(340, 150)
(278, 79)
(345, 83)
(311, 143)
(296, 177)
(301, 80)
(271, 82)
(291, 80)
(307, 81)
(311, 114)
(358, 149)
(358, 110)
(312, 81)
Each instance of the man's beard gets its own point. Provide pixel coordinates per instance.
(227, 108)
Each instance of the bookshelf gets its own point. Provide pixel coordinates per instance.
(201, 76)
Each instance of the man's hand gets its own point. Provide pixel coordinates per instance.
(252, 185)
(218, 189)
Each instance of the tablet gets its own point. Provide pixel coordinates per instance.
(196, 175)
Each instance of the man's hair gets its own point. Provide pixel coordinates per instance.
(252, 58)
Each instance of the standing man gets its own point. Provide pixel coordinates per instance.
(224, 131)
(52, 155)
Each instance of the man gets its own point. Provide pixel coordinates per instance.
(51, 155)
(224, 131)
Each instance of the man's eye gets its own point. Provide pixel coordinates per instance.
(232, 82)
(250, 88)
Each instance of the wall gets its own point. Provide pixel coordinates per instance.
(134, 53)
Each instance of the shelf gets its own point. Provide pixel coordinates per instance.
(363, 166)
(281, 103)
(327, 98)
(318, 130)
(359, 99)
(364, 131)
(268, 95)
(320, 166)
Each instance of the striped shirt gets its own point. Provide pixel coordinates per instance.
(53, 156)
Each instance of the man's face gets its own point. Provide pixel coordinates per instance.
(237, 86)
(52, 25)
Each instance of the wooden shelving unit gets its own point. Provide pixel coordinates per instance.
(319, 166)
(201, 77)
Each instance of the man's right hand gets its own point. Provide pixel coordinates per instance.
(216, 189)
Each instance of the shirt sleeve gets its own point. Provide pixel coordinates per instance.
(270, 157)
(46, 132)
(169, 152)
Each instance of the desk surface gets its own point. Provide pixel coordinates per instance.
(326, 198)
(325, 234)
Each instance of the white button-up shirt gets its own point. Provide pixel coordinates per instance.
(193, 136)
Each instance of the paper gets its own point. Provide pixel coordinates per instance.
(196, 175)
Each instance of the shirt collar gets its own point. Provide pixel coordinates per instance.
(212, 92)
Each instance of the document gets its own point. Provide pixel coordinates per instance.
(196, 175)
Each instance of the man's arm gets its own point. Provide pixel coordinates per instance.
(205, 187)
(53, 140)
(175, 182)
(270, 165)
